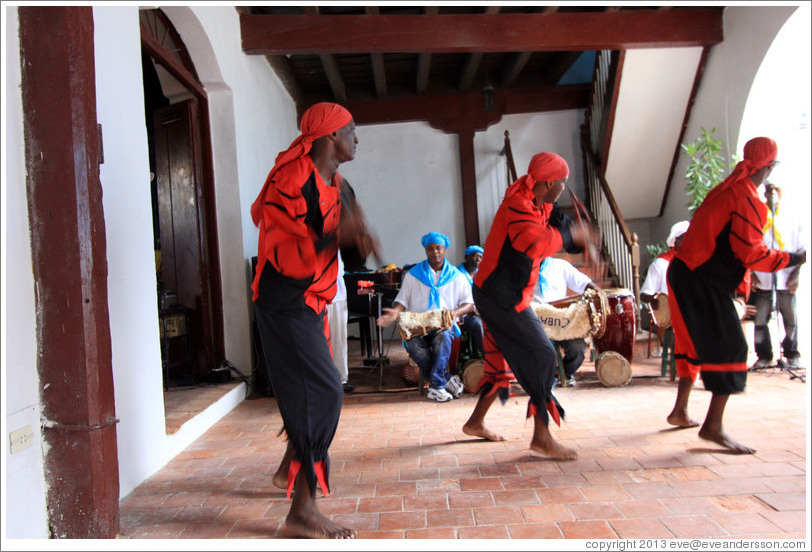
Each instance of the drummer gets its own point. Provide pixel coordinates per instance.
(556, 277)
(527, 228)
(430, 285)
(655, 284)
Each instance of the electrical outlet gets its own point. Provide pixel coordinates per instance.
(21, 439)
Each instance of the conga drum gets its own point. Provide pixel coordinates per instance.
(613, 369)
(662, 314)
(410, 373)
(621, 324)
(472, 372)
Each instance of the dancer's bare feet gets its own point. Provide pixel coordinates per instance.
(553, 449)
(280, 480)
(722, 439)
(313, 525)
(681, 419)
(482, 432)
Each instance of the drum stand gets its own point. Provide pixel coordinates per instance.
(381, 360)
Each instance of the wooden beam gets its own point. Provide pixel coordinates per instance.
(328, 62)
(473, 61)
(506, 32)
(451, 112)
(515, 68)
(378, 69)
(284, 71)
(424, 60)
(470, 208)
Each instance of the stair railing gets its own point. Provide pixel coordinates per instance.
(620, 245)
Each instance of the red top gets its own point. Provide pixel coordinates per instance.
(518, 241)
(725, 237)
(298, 235)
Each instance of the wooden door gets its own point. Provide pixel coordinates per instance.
(183, 231)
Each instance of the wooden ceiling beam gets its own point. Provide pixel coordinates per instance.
(424, 59)
(328, 62)
(504, 32)
(450, 112)
(473, 61)
(378, 69)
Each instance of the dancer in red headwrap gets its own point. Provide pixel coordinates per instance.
(723, 241)
(527, 228)
(298, 213)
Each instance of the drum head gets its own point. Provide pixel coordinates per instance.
(662, 314)
(613, 369)
(472, 372)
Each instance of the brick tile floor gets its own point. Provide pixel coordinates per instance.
(403, 469)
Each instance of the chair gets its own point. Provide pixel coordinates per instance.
(562, 378)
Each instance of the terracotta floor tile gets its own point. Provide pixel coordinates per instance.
(643, 508)
(470, 499)
(594, 510)
(789, 520)
(535, 531)
(605, 493)
(432, 533)
(359, 522)
(636, 528)
(450, 518)
(484, 484)
(564, 494)
(743, 523)
(693, 527)
(587, 530)
(380, 504)
(784, 501)
(402, 520)
(547, 512)
(497, 515)
(487, 532)
(426, 501)
(383, 535)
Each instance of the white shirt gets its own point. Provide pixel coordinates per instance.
(559, 275)
(791, 232)
(655, 278)
(414, 296)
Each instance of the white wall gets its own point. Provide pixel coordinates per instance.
(23, 478)
(554, 131)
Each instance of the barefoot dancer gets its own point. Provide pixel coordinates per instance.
(527, 228)
(723, 241)
(298, 212)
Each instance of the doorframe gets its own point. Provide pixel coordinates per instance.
(210, 270)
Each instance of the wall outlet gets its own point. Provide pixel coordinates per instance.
(21, 439)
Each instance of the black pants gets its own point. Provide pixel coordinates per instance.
(761, 335)
(305, 382)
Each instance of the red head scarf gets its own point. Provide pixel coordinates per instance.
(320, 120)
(544, 167)
(758, 153)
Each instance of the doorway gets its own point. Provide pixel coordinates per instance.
(186, 261)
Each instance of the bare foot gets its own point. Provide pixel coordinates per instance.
(314, 526)
(482, 432)
(721, 438)
(555, 450)
(280, 480)
(681, 420)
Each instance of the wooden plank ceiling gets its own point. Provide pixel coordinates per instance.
(453, 65)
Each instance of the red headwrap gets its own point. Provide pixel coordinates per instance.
(544, 167)
(758, 153)
(320, 120)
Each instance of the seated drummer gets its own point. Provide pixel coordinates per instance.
(433, 284)
(655, 277)
(471, 323)
(556, 276)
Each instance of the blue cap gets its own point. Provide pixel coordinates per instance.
(435, 237)
(473, 249)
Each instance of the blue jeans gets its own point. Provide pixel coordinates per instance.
(430, 352)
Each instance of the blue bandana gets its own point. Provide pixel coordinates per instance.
(425, 275)
(473, 249)
(435, 237)
(542, 282)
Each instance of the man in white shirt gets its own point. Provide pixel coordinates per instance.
(782, 232)
(432, 285)
(556, 277)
